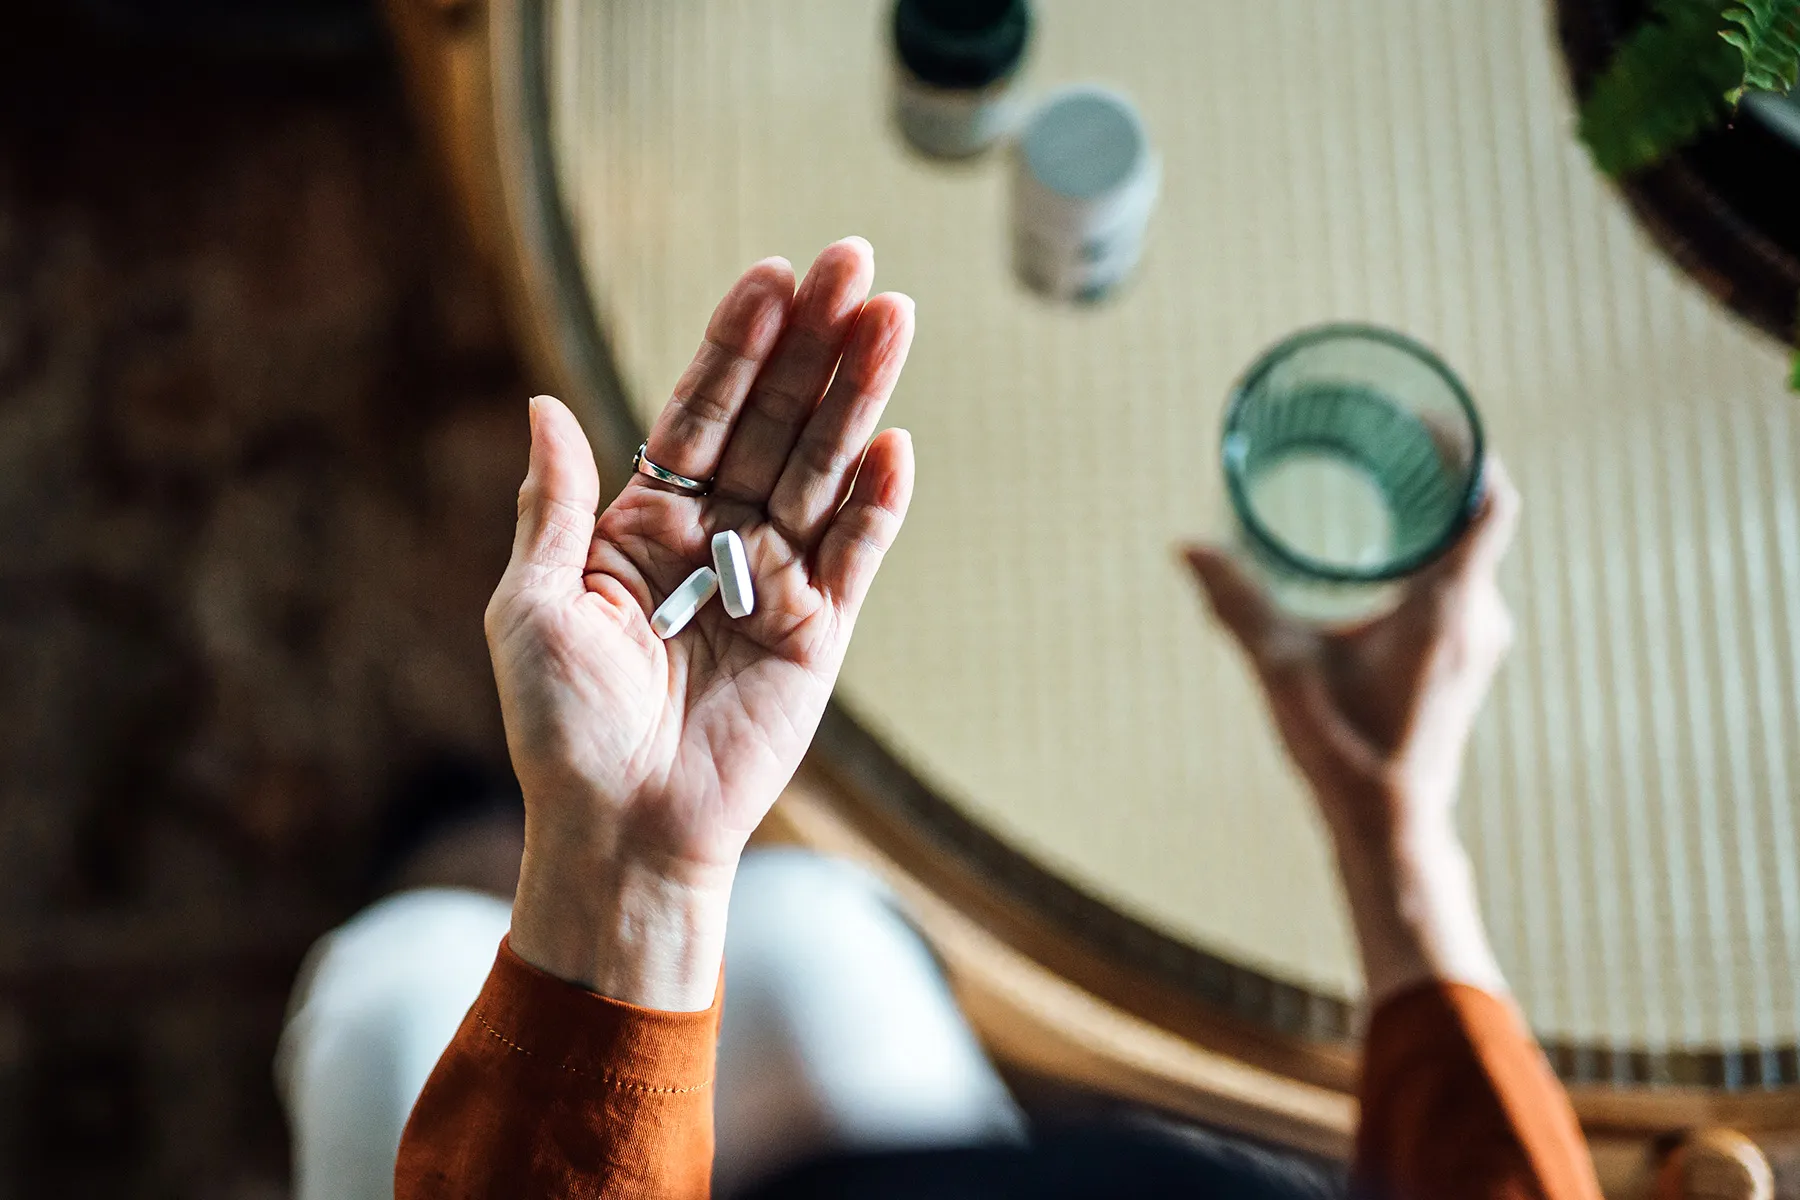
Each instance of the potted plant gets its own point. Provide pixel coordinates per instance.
(1689, 67)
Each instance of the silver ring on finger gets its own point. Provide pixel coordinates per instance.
(681, 483)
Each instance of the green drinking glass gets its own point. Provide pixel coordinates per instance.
(1353, 459)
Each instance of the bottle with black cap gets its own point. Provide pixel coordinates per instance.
(956, 60)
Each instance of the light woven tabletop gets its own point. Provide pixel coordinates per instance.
(1032, 649)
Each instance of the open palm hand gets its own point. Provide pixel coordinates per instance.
(668, 754)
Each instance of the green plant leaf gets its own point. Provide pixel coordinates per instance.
(1665, 86)
(1768, 36)
(1795, 381)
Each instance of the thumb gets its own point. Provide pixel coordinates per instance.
(1275, 645)
(1284, 657)
(1236, 600)
(561, 492)
(1323, 743)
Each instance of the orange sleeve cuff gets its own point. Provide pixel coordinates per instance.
(548, 1089)
(1458, 1100)
(592, 1036)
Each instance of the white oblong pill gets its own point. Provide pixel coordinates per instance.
(673, 614)
(733, 566)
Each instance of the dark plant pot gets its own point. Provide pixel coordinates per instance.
(1726, 208)
(1780, 115)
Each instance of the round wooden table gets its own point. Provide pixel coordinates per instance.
(1036, 717)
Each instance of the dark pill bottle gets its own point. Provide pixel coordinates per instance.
(955, 64)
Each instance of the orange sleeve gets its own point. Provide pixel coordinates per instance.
(1458, 1101)
(551, 1090)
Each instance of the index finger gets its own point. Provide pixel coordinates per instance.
(1490, 532)
(690, 434)
(799, 370)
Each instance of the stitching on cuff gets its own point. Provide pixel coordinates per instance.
(607, 1078)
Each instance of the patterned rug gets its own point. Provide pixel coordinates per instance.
(260, 432)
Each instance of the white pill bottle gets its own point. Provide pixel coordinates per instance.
(1084, 183)
(955, 64)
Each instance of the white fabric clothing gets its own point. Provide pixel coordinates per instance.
(839, 1031)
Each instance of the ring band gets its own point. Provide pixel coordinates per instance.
(643, 466)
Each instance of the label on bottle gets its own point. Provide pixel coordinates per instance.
(1084, 184)
(952, 122)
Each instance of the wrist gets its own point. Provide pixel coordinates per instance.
(1414, 906)
(1386, 814)
(647, 932)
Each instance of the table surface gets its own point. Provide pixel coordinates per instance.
(1034, 652)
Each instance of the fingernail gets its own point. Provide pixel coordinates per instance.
(859, 241)
(1197, 557)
